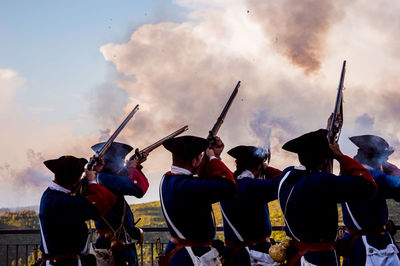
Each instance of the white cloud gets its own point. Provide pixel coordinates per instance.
(288, 57)
(26, 143)
(10, 82)
(184, 72)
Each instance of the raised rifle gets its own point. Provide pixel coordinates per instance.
(107, 145)
(97, 156)
(213, 132)
(158, 143)
(335, 126)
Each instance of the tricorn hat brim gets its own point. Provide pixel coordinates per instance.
(372, 144)
(116, 152)
(186, 147)
(67, 168)
(312, 143)
(248, 153)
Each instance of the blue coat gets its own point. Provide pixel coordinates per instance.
(119, 186)
(62, 218)
(371, 214)
(311, 212)
(249, 214)
(187, 201)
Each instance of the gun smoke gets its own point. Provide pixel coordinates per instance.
(286, 53)
(300, 28)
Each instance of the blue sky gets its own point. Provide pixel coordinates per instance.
(55, 45)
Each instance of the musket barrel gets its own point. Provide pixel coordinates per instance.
(221, 118)
(118, 130)
(338, 105)
(160, 142)
(110, 140)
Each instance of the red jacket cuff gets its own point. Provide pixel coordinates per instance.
(350, 167)
(138, 179)
(271, 172)
(216, 168)
(100, 197)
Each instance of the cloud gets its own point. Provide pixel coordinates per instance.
(287, 54)
(10, 82)
(184, 72)
(298, 28)
(24, 186)
(106, 99)
(27, 142)
(365, 123)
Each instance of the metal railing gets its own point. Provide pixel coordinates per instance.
(27, 252)
(25, 249)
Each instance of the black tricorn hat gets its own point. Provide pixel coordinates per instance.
(116, 152)
(248, 154)
(372, 144)
(67, 169)
(313, 144)
(186, 147)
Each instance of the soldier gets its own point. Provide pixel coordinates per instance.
(371, 243)
(186, 200)
(62, 216)
(247, 227)
(308, 197)
(117, 229)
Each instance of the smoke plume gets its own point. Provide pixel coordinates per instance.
(298, 28)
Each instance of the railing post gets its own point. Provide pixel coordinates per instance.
(7, 255)
(152, 255)
(35, 253)
(141, 254)
(16, 254)
(26, 254)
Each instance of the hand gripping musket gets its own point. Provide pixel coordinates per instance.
(105, 147)
(213, 132)
(268, 146)
(335, 126)
(159, 143)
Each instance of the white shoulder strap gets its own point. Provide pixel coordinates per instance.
(195, 259)
(352, 217)
(178, 233)
(233, 228)
(46, 251)
(280, 205)
(230, 224)
(280, 183)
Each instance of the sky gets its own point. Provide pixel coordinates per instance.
(70, 71)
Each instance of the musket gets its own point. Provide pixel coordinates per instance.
(335, 126)
(110, 140)
(82, 185)
(213, 132)
(159, 143)
(267, 149)
(268, 146)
